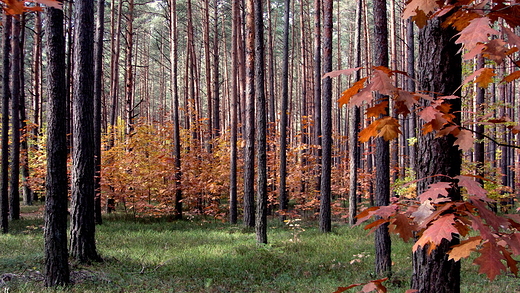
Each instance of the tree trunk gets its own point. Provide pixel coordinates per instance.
(14, 183)
(56, 201)
(440, 72)
(284, 201)
(261, 126)
(354, 121)
(6, 95)
(234, 121)
(317, 90)
(175, 108)
(326, 125)
(129, 74)
(98, 95)
(83, 242)
(249, 135)
(382, 154)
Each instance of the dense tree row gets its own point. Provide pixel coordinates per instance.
(185, 108)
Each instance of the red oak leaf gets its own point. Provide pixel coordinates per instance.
(440, 229)
(477, 31)
(464, 140)
(337, 73)
(472, 186)
(464, 249)
(490, 261)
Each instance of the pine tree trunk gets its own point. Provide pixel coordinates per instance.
(6, 95)
(283, 198)
(56, 201)
(83, 242)
(233, 184)
(382, 154)
(98, 93)
(249, 135)
(440, 72)
(261, 126)
(326, 125)
(14, 183)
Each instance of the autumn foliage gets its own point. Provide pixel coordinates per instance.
(486, 28)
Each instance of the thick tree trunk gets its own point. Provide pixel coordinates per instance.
(382, 154)
(440, 72)
(56, 201)
(6, 95)
(83, 242)
(326, 125)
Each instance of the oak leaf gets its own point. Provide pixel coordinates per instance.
(51, 3)
(435, 190)
(512, 38)
(512, 76)
(401, 225)
(426, 6)
(495, 50)
(368, 132)
(388, 128)
(464, 249)
(511, 263)
(423, 212)
(464, 140)
(377, 110)
(440, 229)
(354, 89)
(477, 31)
(490, 261)
(472, 186)
(483, 77)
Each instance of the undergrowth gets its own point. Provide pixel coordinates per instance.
(203, 256)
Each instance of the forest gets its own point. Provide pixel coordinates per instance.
(288, 127)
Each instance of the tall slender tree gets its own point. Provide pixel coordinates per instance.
(382, 154)
(6, 95)
(326, 124)
(233, 185)
(14, 183)
(249, 135)
(83, 242)
(261, 125)
(56, 201)
(98, 96)
(283, 198)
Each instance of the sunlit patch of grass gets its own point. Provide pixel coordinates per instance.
(198, 256)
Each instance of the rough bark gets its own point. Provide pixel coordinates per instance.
(326, 124)
(283, 198)
(56, 201)
(249, 135)
(382, 153)
(98, 95)
(6, 95)
(14, 183)
(233, 204)
(83, 242)
(175, 109)
(440, 72)
(261, 126)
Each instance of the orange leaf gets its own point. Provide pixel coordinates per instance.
(401, 225)
(512, 76)
(426, 6)
(370, 131)
(354, 89)
(379, 109)
(388, 128)
(484, 76)
(464, 249)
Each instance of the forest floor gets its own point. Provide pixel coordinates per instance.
(203, 255)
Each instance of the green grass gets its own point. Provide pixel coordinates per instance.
(199, 256)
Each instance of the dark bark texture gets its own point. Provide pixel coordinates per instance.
(56, 201)
(440, 72)
(382, 153)
(6, 95)
(82, 242)
(98, 92)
